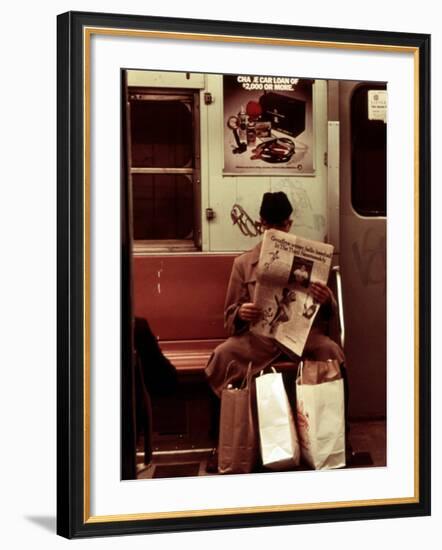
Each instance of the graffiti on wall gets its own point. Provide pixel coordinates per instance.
(247, 226)
(304, 214)
(369, 255)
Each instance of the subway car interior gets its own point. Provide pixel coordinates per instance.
(198, 153)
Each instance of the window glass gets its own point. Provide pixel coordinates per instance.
(163, 165)
(162, 206)
(161, 134)
(369, 155)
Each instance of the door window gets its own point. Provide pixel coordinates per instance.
(369, 153)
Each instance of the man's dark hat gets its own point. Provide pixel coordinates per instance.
(275, 208)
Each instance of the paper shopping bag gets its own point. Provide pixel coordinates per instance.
(277, 433)
(320, 417)
(238, 438)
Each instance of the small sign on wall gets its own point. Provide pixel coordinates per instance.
(377, 105)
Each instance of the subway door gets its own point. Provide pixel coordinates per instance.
(363, 243)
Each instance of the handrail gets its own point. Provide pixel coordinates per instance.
(337, 273)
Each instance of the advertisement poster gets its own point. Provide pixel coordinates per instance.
(268, 125)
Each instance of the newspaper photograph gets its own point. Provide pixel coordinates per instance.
(288, 264)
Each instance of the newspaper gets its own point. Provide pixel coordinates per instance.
(287, 266)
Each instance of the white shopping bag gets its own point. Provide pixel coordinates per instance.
(320, 414)
(277, 433)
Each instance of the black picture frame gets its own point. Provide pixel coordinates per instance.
(73, 516)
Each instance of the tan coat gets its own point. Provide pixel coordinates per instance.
(244, 346)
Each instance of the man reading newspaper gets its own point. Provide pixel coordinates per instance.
(272, 314)
(255, 330)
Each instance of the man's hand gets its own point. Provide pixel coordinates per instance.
(321, 293)
(249, 312)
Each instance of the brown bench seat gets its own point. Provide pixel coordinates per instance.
(189, 356)
(182, 298)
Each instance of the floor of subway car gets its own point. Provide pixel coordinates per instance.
(368, 440)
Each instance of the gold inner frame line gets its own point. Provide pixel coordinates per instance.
(87, 33)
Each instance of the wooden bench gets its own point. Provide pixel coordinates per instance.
(189, 356)
(182, 298)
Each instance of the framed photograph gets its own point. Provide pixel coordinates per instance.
(181, 142)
